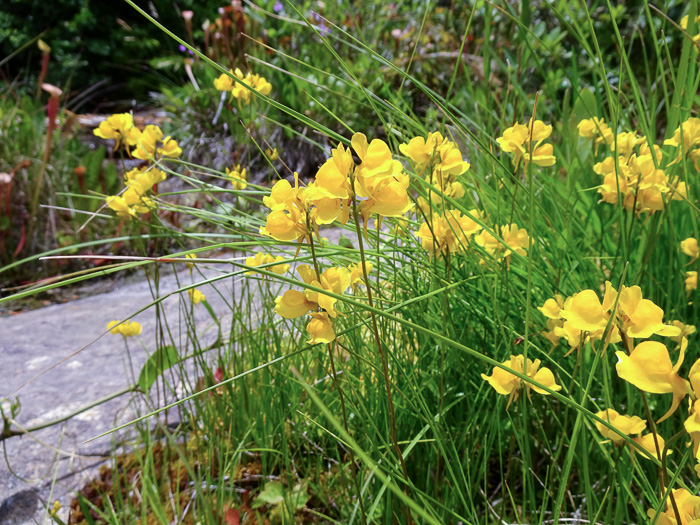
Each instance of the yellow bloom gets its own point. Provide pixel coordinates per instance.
(190, 266)
(146, 142)
(238, 177)
(332, 178)
(691, 281)
(119, 205)
(293, 304)
(508, 384)
(584, 312)
(595, 129)
(272, 154)
(169, 148)
(126, 328)
(196, 296)
(450, 232)
(320, 328)
(689, 247)
(526, 142)
(552, 307)
(238, 90)
(420, 150)
(118, 127)
(449, 161)
(649, 444)
(224, 82)
(357, 277)
(641, 318)
(57, 504)
(265, 258)
(141, 180)
(649, 368)
(625, 424)
(516, 241)
(376, 158)
(284, 226)
(688, 508)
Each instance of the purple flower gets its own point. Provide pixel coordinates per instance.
(278, 7)
(182, 48)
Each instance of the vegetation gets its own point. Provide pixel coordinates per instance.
(460, 276)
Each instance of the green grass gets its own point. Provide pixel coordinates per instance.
(288, 431)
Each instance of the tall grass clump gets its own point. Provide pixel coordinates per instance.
(478, 308)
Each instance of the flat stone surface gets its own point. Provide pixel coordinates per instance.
(54, 462)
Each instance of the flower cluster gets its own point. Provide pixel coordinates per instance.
(237, 176)
(238, 90)
(525, 143)
(509, 384)
(631, 173)
(687, 138)
(261, 259)
(379, 181)
(583, 316)
(442, 162)
(295, 304)
(448, 233)
(628, 425)
(147, 145)
(124, 328)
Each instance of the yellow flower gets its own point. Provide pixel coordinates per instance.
(420, 150)
(284, 226)
(126, 328)
(625, 424)
(238, 177)
(224, 82)
(688, 508)
(357, 277)
(320, 328)
(190, 266)
(169, 148)
(689, 247)
(516, 241)
(649, 444)
(119, 205)
(450, 232)
(265, 258)
(691, 281)
(649, 368)
(376, 158)
(508, 384)
(146, 142)
(641, 318)
(118, 127)
(293, 304)
(686, 136)
(57, 504)
(272, 154)
(525, 142)
(238, 90)
(595, 129)
(332, 178)
(141, 180)
(449, 161)
(196, 296)
(552, 307)
(584, 312)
